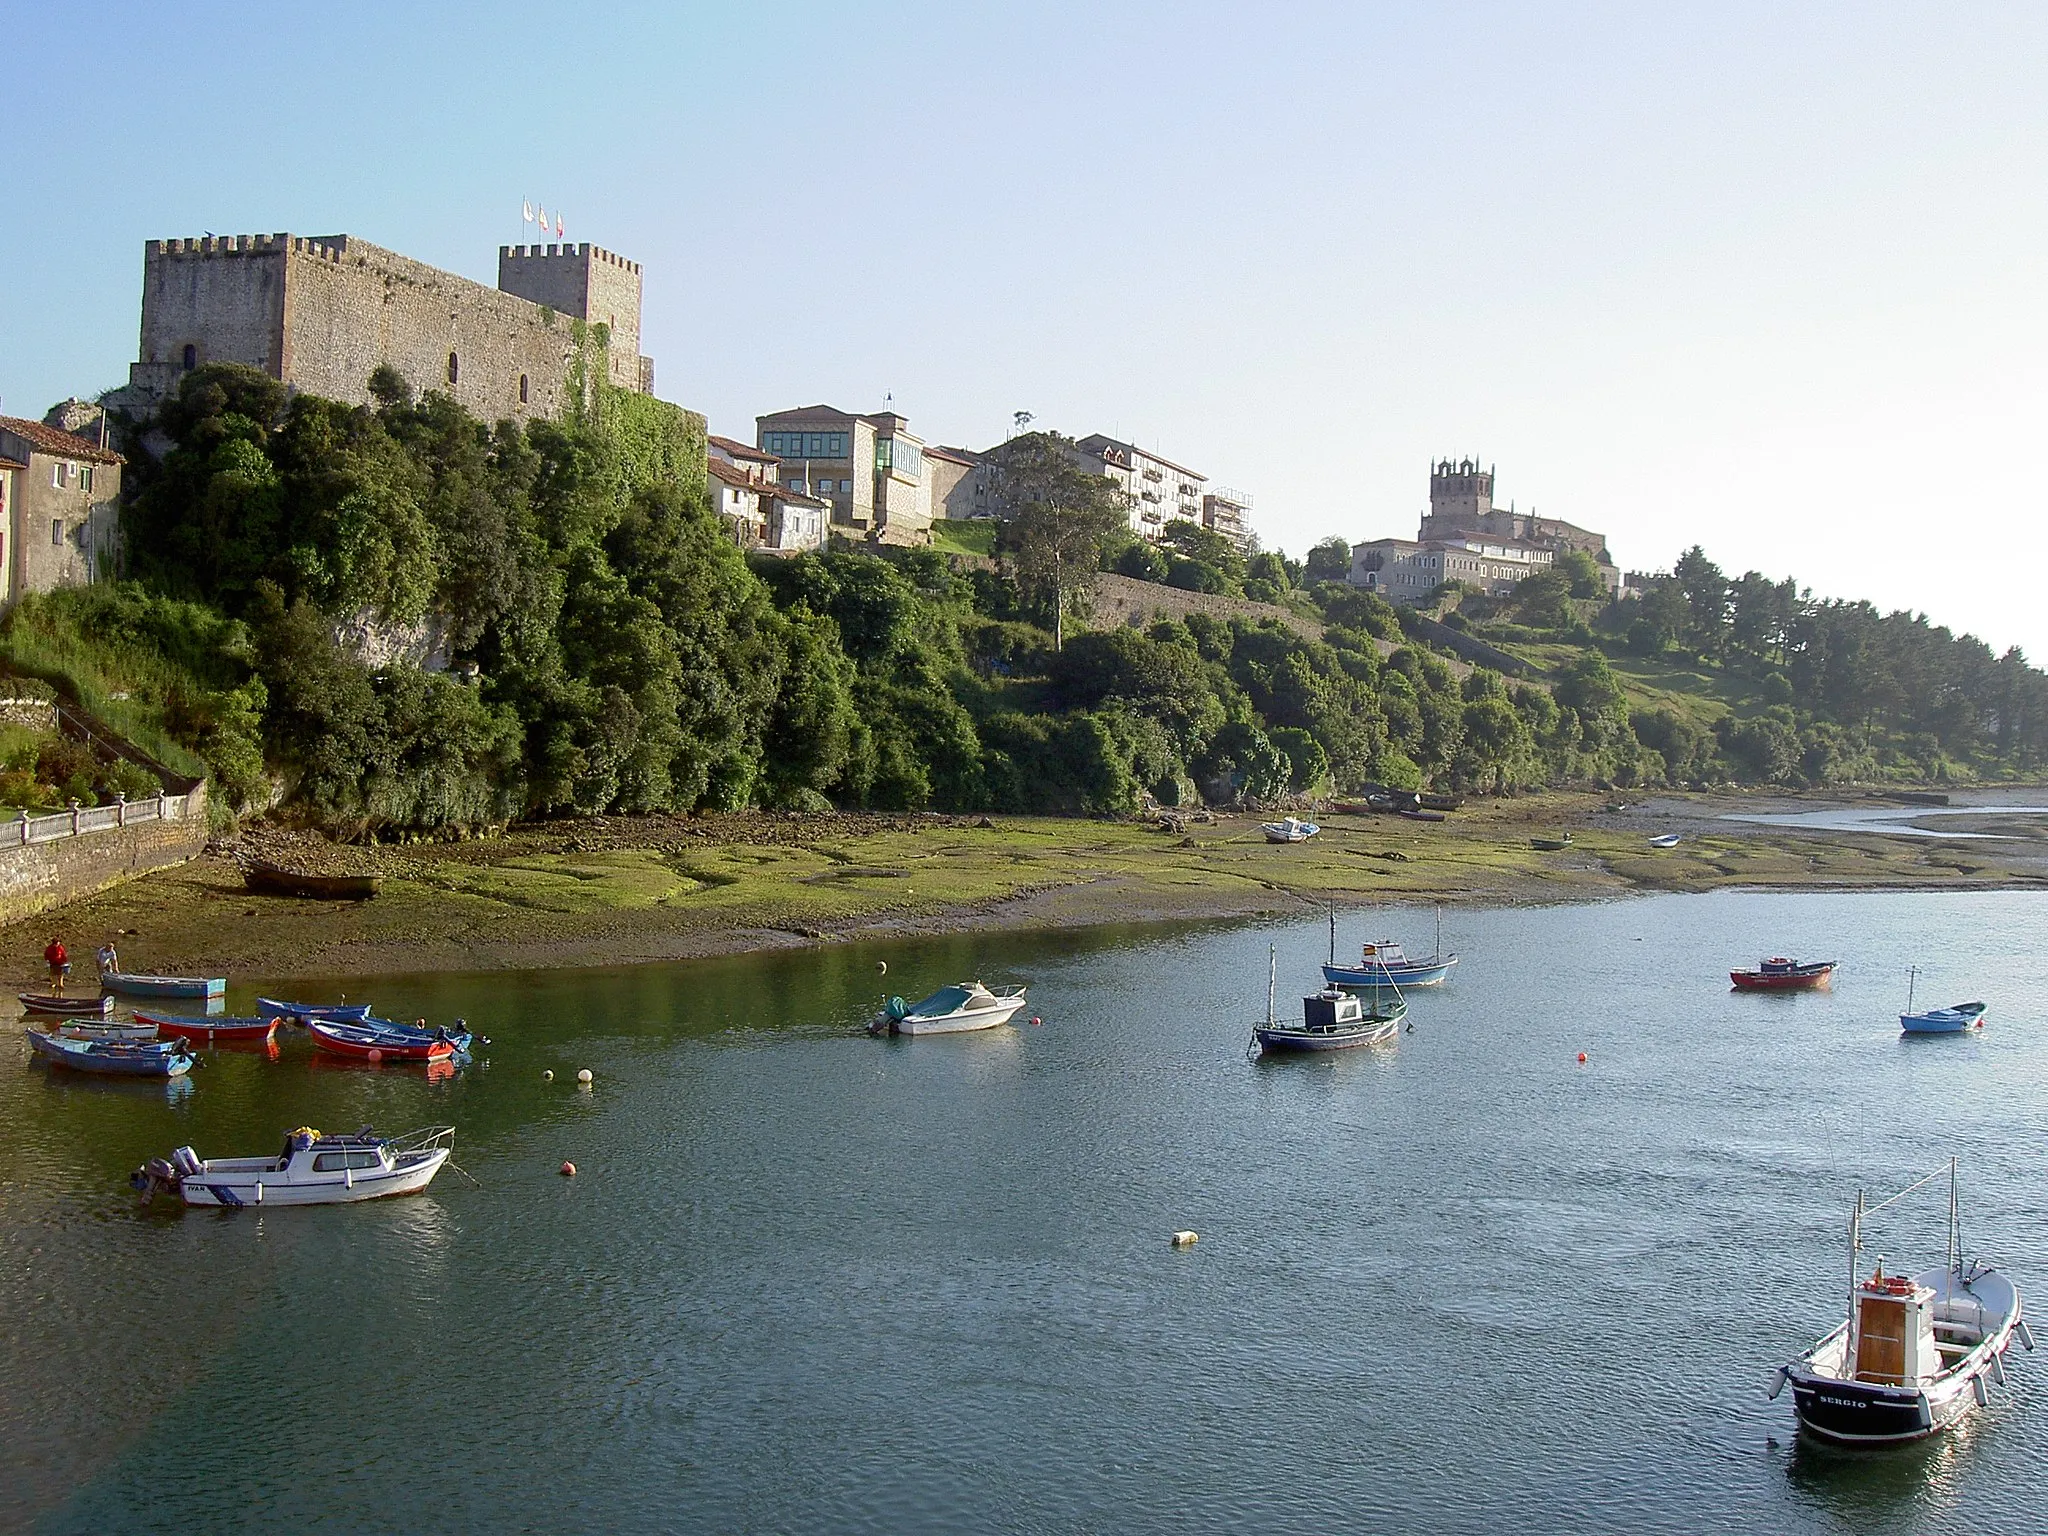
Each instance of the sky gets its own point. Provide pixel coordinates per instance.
(1760, 277)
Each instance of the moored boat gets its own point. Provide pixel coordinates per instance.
(1551, 844)
(1440, 802)
(212, 1029)
(1779, 974)
(313, 1169)
(949, 1011)
(1385, 964)
(1333, 1020)
(1916, 1353)
(1955, 1019)
(129, 1030)
(130, 985)
(114, 1058)
(299, 1013)
(276, 880)
(59, 1006)
(1291, 830)
(378, 1042)
(1418, 813)
(1666, 840)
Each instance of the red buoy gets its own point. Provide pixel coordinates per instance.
(568, 1170)
(1034, 1021)
(1582, 1058)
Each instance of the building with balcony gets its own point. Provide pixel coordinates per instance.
(1159, 489)
(870, 470)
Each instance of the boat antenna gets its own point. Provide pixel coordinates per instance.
(1272, 979)
(1955, 1225)
(1855, 1245)
(1912, 973)
(1439, 932)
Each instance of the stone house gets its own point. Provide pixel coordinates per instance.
(870, 469)
(956, 492)
(757, 510)
(59, 508)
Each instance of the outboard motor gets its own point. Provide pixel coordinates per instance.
(186, 1161)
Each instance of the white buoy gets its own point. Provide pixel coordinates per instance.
(1184, 1239)
(881, 967)
(583, 1076)
(548, 1076)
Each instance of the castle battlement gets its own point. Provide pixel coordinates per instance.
(322, 312)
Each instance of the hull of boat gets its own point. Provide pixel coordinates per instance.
(236, 1188)
(1860, 1413)
(1361, 977)
(1911, 1024)
(164, 986)
(274, 880)
(379, 1047)
(960, 1023)
(66, 1007)
(111, 1063)
(301, 1012)
(1279, 1038)
(203, 1031)
(1790, 981)
(1550, 844)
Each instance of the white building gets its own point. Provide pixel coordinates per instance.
(1405, 571)
(1160, 490)
(758, 511)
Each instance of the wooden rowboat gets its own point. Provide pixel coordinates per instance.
(1551, 844)
(276, 880)
(114, 1058)
(212, 1030)
(367, 1042)
(66, 1007)
(162, 986)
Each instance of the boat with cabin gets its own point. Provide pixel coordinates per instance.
(128, 984)
(1917, 1351)
(1384, 963)
(114, 1058)
(949, 1011)
(313, 1169)
(1331, 1020)
(1956, 1019)
(1779, 974)
(1290, 830)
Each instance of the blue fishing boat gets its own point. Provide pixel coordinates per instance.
(1384, 964)
(114, 1058)
(299, 1013)
(128, 985)
(1958, 1018)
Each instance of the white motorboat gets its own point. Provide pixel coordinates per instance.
(949, 1011)
(1291, 830)
(1917, 1352)
(313, 1169)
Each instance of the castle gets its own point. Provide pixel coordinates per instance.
(1461, 506)
(320, 313)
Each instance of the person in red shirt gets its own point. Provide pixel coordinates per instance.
(59, 959)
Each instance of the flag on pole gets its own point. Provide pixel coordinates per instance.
(525, 212)
(558, 223)
(543, 223)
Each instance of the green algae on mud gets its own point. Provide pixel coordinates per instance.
(621, 890)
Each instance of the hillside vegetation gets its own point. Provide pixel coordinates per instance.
(397, 617)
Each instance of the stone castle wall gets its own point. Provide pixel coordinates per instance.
(322, 313)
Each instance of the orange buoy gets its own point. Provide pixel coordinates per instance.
(375, 1054)
(1582, 1058)
(568, 1170)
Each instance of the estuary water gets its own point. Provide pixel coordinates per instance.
(810, 1281)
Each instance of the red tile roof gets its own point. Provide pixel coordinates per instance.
(7, 463)
(732, 474)
(741, 450)
(62, 445)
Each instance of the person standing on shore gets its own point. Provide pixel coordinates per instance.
(110, 960)
(59, 960)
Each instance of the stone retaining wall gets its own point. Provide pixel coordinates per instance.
(1123, 601)
(46, 861)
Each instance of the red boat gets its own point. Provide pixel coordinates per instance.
(366, 1042)
(214, 1031)
(1781, 975)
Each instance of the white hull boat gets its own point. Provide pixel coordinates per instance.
(312, 1170)
(1289, 831)
(1917, 1352)
(949, 1011)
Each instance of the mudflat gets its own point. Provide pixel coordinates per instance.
(620, 890)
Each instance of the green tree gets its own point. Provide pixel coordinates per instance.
(1057, 519)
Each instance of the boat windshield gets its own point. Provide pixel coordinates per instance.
(945, 1000)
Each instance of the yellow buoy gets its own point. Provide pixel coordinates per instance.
(1184, 1239)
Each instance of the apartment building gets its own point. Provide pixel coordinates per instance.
(1159, 489)
(869, 469)
(1228, 512)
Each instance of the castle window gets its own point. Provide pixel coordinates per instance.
(191, 357)
(454, 368)
(522, 389)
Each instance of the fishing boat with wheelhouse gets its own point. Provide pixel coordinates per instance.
(1383, 964)
(1779, 974)
(1331, 1020)
(1917, 1352)
(313, 1169)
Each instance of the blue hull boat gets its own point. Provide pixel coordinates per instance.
(1957, 1020)
(299, 1013)
(1402, 973)
(114, 1058)
(163, 986)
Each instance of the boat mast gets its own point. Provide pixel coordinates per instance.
(1855, 1247)
(1912, 972)
(1272, 978)
(1333, 933)
(1955, 1223)
(1439, 932)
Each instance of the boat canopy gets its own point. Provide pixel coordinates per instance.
(945, 1000)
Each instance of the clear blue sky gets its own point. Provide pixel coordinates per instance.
(1765, 277)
